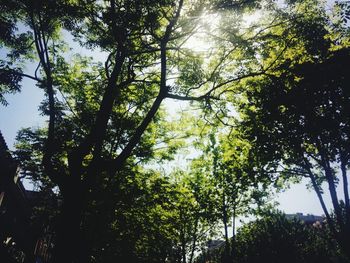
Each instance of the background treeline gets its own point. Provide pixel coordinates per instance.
(274, 238)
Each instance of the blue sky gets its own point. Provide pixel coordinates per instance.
(21, 112)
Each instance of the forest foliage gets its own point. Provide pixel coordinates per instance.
(264, 88)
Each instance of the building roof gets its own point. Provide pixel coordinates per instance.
(308, 218)
(4, 150)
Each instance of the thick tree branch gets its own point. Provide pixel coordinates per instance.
(345, 188)
(163, 90)
(189, 98)
(98, 131)
(316, 187)
(330, 180)
(119, 161)
(42, 51)
(253, 74)
(14, 72)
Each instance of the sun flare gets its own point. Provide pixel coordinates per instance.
(202, 40)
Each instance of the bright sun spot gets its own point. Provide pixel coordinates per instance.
(252, 18)
(201, 40)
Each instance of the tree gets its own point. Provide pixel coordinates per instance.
(206, 220)
(85, 137)
(235, 188)
(296, 115)
(137, 224)
(273, 238)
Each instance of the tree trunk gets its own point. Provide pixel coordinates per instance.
(70, 245)
(333, 194)
(194, 240)
(341, 235)
(326, 165)
(346, 191)
(319, 196)
(183, 252)
(233, 232)
(224, 219)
